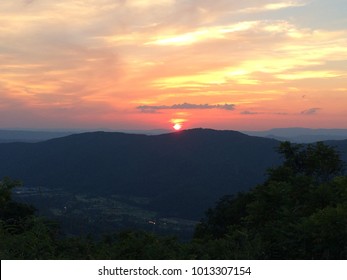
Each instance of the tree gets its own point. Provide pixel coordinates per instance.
(11, 212)
(299, 212)
(6, 186)
(22, 235)
(229, 210)
(318, 161)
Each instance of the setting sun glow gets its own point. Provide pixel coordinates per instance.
(177, 126)
(122, 65)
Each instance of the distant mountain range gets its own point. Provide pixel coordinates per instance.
(181, 173)
(293, 134)
(32, 136)
(301, 135)
(8, 136)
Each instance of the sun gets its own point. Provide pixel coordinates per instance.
(177, 126)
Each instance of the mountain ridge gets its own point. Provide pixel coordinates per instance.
(300, 134)
(169, 168)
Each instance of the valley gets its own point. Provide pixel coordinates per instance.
(82, 215)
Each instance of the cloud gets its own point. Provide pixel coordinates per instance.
(310, 111)
(28, 2)
(117, 53)
(203, 34)
(249, 113)
(184, 106)
(310, 75)
(263, 7)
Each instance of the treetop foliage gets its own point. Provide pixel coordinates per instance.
(318, 161)
(300, 212)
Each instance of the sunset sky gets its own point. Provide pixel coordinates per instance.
(140, 64)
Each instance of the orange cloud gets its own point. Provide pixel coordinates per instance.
(97, 61)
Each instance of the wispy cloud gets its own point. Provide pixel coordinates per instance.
(273, 6)
(111, 54)
(28, 2)
(284, 5)
(203, 34)
(249, 113)
(310, 75)
(184, 106)
(310, 111)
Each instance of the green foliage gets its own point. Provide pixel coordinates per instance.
(139, 245)
(35, 242)
(229, 210)
(318, 161)
(300, 212)
(6, 185)
(22, 236)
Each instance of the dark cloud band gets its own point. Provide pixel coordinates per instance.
(310, 111)
(184, 106)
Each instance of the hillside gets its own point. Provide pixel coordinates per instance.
(182, 173)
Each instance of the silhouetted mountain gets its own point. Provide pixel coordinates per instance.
(183, 173)
(8, 136)
(32, 136)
